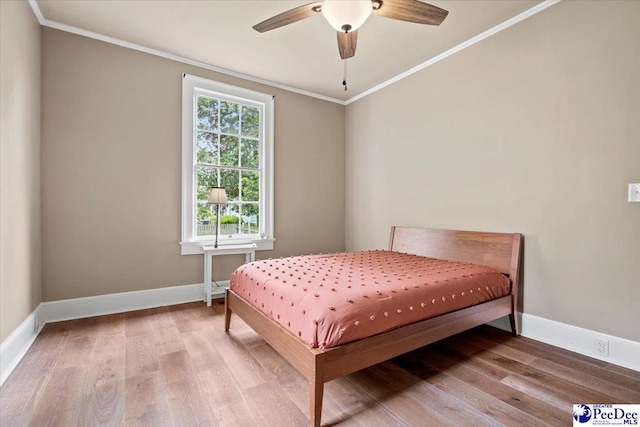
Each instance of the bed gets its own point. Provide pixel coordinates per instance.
(322, 356)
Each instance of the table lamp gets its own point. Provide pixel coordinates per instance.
(217, 196)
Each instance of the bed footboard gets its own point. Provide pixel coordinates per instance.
(497, 250)
(320, 366)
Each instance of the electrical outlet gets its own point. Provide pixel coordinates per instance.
(35, 324)
(601, 347)
(634, 192)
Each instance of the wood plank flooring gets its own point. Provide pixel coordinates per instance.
(175, 366)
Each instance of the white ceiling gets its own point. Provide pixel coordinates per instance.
(303, 55)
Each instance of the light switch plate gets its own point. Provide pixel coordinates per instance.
(634, 192)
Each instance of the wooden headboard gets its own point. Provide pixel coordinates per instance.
(500, 251)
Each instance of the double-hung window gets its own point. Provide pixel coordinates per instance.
(227, 141)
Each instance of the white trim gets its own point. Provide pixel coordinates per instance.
(133, 46)
(622, 352)
(193, 86)
(491, 31)
(37, 11)
(112, 40)
(15, 346)
(78, 308)
(195, 248)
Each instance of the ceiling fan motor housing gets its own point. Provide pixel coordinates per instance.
(346, 15)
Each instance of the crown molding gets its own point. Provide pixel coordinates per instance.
(134, 46)
(112, 40)
(491, 31)
(36, 11)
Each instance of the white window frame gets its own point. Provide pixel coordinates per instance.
(191, 87)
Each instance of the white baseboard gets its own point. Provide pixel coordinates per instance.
(15, 346)
(78, 308)
(622, 352)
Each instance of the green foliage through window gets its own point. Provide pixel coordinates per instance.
(227, 154)
(229, 219)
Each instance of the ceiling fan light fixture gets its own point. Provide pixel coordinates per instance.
(346, 15)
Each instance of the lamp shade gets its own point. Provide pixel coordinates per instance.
(346, 15)
(217, 196)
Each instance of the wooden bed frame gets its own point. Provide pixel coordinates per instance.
(497, 250)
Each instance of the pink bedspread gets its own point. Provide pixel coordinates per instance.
(329, 300)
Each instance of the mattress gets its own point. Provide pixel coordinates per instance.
(330, 300)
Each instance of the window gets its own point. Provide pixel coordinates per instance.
(227, 141)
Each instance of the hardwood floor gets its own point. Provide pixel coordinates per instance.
(175, 366)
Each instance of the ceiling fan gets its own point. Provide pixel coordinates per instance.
(346, 16)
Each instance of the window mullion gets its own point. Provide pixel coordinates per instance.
(194, 171)
(232, 168)
(218, 146)
(240, 171)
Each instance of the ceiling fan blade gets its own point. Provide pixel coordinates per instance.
(288, 17)
(410, 11)
(347, 43)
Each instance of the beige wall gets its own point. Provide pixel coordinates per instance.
(111, 176)
(533, 130)
(20, 240)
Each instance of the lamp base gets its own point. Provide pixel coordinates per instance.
(215, 245)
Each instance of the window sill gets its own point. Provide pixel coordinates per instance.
(195, 248)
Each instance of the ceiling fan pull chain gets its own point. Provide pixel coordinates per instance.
(344, 81)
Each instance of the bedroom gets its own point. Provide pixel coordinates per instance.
(532, 130)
